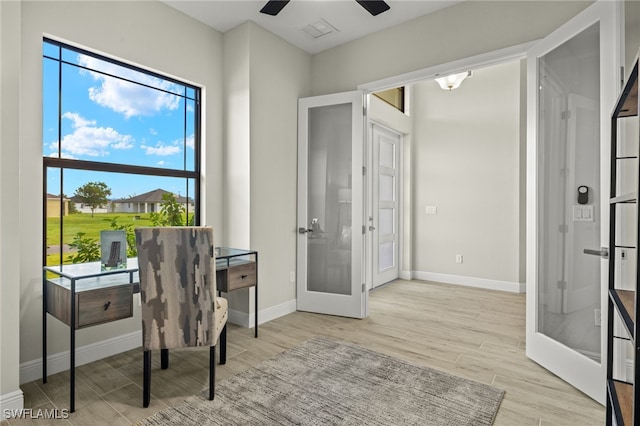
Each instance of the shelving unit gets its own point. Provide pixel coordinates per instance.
(623, 406)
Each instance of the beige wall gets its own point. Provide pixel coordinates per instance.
(466, 163)
(169, 43)
(10, 241)
(460, 31)
(264, 77)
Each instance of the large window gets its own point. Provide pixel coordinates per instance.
(121, 148)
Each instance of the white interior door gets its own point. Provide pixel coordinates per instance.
(573, 81)
(330, 263)
(384, 221)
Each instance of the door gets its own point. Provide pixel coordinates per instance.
(330, 258)
(384, 223)
(573, 80)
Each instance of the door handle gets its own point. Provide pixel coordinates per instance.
(304, 230)
(603, 252)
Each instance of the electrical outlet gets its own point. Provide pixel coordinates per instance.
(598, 317)
(458, 258)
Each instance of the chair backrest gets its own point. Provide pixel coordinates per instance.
(177, 286)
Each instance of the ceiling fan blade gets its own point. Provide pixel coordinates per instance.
(273, 7)
(374, 7)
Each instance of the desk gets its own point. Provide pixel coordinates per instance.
(83, 295)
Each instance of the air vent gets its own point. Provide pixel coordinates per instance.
(318, 29)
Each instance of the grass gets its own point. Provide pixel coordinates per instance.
(91, 226)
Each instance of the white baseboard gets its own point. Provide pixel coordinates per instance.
(265, 315)
(11, 402)
(512, 287)
(32, 370)
(405, 275)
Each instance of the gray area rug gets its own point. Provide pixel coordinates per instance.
(328, 382)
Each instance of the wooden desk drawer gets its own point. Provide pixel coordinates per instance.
(104, 305)
(236, 277)
(90, 304)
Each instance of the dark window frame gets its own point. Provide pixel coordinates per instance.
(70, 164)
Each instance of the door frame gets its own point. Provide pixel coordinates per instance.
(552, 355)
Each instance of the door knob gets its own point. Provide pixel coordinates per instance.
(304, 230)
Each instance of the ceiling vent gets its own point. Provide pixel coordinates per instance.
(318, 29)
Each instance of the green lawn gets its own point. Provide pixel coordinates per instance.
(91, 226)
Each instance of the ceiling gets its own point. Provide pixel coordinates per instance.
(349, 19)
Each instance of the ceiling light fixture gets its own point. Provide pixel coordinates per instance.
(452, 81)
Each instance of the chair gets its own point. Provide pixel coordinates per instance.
(178, 293)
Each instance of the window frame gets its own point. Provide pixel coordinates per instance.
(63, 164)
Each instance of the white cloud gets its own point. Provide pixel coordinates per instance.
(127, 98)
(78, 121)
(191, 141)
(89, 140)
(161, 149)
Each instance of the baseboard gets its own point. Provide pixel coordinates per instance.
(10, 403)
(512, 287)
(405, 275)
(32, 370)
(265, 315)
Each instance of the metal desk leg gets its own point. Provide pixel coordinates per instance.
(256, 299)
(72, 363)
(44, 328)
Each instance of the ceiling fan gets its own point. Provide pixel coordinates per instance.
(374, 7)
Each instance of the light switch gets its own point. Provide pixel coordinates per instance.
(431, 210)
(582, 213)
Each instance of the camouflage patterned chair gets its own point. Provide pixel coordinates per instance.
(178, 292)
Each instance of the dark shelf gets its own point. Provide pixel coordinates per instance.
(621, 397)
(624, 301)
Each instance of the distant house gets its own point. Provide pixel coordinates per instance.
(149, 202)
(53, 205)
(83, 208)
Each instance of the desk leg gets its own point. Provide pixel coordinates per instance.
(72, 355)
(44, 328)
(256, 300)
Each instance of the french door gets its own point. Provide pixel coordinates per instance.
(330, 255)
(573, 80)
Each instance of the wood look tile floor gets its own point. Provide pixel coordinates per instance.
(472, 333)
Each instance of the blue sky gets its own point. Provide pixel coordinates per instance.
(111, 120)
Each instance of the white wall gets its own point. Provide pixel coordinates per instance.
(10, 394)
(264, 77)
(466, 163)
(169, 43)
(466, 29)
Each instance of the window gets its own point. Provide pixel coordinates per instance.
(394, 97)
(121, 148)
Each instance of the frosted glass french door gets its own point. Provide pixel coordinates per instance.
(573, 77)
(330, 257)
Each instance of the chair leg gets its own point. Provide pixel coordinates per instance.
(164, 359)
(146, 379)
(212, 372)
(223, 345)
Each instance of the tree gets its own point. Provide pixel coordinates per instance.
(171, 212)
(93, 194)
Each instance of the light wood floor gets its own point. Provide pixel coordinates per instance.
(472, 333)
